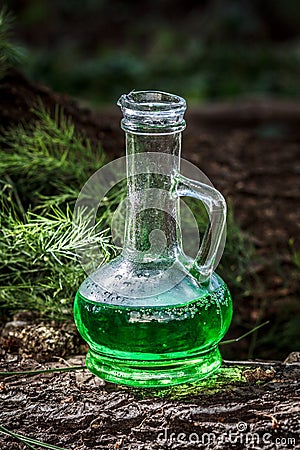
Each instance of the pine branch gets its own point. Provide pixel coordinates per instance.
(44, 164)
(10, 54)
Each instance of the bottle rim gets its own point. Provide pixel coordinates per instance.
(152, 111)
(151, 100)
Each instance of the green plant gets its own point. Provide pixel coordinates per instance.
(10, 54)
(295, 253)
(42, 168)
(38, 263)
(191, 66)
(47, 157)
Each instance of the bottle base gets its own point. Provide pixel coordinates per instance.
(159, 373)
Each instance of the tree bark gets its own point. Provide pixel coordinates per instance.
(245, 405)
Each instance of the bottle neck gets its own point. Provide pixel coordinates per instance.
(152, 227)
(153, 122)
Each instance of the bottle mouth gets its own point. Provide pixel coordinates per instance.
(152, 112)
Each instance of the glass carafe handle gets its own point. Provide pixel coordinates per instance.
(216, 208)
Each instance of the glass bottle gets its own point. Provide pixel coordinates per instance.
(153, 316)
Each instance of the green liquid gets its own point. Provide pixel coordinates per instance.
(156, 345)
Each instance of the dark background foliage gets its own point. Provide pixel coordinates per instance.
(98, 49)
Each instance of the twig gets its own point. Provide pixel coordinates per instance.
(251, 363)
(230, 341)
(18, 200)
(62, 360)
(275, 423)
(35, 372)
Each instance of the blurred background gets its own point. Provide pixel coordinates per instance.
(202, 50)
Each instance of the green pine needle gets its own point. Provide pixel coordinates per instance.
(38, 264)
(10, 54)
(47, 157)
(28, 441)
(43, 166)
(40, 371)
(238, 339)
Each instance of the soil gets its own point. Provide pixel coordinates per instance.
(251, 151)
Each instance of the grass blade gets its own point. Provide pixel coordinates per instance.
(27, 441)
(36, 372)
(231, 341)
